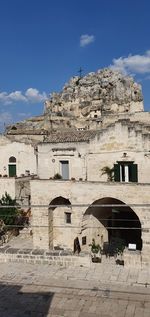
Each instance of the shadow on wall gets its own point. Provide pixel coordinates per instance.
(19, 301)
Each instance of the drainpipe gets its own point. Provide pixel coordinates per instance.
(36, 154)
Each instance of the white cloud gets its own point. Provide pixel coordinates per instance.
(16, 96)
(5, 119)
(138, 64)
(31, 95)
(86, 39)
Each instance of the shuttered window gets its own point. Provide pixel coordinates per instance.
(116, 172)
(125, 172)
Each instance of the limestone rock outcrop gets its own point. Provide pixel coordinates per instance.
(106, 91)
(85, 103)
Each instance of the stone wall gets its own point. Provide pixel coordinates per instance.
(83, 194)
(24, 154)
(50, 155)
(121, 141)
(61, 258)
(7, 185)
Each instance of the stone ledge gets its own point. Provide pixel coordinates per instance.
(37, 256)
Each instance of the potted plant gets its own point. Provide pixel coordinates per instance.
(57, 176)
(109, 172)
(95, 252)
(120, 246)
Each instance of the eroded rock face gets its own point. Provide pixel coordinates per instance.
(106, 91)
(84, 103)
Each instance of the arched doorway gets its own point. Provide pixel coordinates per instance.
(12, 167)
(59, 216)
(113, 223)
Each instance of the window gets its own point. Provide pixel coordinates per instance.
(125, 172)
(84, 240)
(12, 159)
(12, 167)
(68, 217)
(65, 169)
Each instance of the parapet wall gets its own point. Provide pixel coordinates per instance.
(61, 258)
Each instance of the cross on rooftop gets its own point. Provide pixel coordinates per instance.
(80, 72)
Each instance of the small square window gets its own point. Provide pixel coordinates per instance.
(83, 240)
(68, 217)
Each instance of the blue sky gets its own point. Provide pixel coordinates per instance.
(44, 43)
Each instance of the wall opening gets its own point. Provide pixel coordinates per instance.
(57, 220)
(107, 224)
(12, 170)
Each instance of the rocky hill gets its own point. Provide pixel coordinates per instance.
(84, 102)
(106, 91)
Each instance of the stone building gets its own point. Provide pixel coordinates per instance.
(17, 158)
(96, 136)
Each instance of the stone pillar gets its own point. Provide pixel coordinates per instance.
(145, 222)
(77, 217)
(40, 225)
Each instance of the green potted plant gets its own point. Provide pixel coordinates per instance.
(57, 176)
(120, 246)
(109, 172)
(95, 252)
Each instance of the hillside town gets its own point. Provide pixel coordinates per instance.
(89, 148)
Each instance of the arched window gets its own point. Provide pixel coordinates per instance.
(12, 159)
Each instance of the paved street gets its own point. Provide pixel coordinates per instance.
(44, 291)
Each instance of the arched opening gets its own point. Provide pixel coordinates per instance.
(12, 159)
(12, 171)
(59, 217)
(13, 127)
(112, 224)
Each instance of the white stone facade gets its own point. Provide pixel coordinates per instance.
(121, 142)
(24, 154)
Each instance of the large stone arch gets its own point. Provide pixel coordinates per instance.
(106, 223)
(58, 208)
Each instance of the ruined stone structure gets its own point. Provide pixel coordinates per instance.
(85, 103)
(96, 136)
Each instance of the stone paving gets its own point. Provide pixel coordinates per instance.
(47, 290)
(103, 289)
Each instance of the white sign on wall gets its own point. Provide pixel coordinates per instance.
(131, 246)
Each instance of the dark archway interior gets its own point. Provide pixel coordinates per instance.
(59, 201)
(120, 221)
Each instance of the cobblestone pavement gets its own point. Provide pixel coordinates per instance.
(44, 291)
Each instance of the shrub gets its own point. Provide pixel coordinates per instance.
(109, 172)
(95, 248)
(8, 214)
(57, 176)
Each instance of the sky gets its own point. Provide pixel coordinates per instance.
(45, 42)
